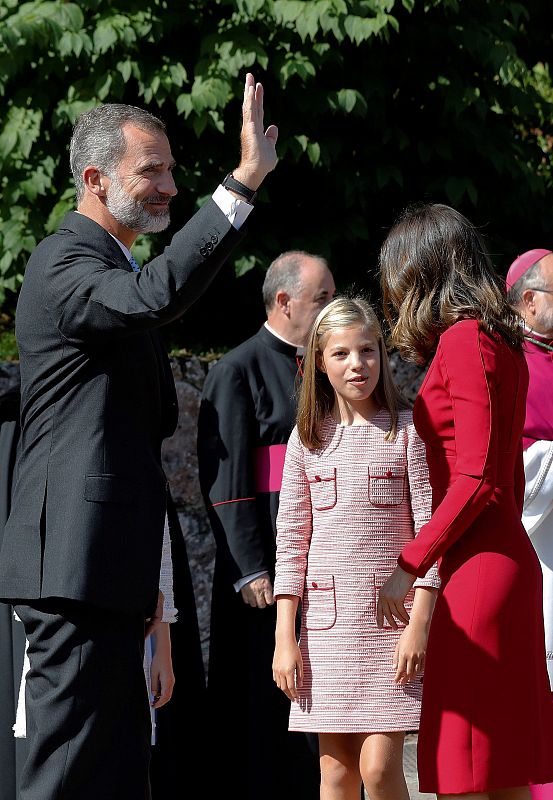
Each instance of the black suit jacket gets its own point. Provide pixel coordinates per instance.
(248, 402)
(97, 400)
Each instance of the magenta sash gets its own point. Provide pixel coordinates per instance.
(543, 791)
(269, 463)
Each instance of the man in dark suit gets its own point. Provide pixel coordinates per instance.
(81, 552)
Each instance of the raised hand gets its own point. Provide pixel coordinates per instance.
(258, 146)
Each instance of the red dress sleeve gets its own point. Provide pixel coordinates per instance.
(474, 406)
(520, 480)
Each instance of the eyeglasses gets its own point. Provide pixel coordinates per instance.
(538, 289)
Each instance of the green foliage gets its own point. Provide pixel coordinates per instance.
(8, 345)
(378, 102)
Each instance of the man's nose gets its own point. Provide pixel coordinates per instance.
(166, 185)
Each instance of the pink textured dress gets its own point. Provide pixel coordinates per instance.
(346, 510)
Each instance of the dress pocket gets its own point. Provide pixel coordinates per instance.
(386, 485)
(323, 490)
(319, 602)
(379, 579)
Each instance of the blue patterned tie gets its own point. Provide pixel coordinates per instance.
(134, 264)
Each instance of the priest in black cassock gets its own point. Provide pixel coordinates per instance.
(246, 416)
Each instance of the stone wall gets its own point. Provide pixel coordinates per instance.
(181, 466)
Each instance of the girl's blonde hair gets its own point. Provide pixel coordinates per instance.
(316, 397)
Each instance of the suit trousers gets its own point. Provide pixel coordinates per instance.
(88, 723)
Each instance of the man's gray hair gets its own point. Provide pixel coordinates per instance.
(532, 279)
(98, 138)
(283, 275)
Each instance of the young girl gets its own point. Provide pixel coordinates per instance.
(355, 490)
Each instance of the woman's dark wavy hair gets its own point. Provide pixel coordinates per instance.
(434, 271)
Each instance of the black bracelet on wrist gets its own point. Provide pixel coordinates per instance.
(230, 182)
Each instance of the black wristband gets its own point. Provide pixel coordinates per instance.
(230, 182)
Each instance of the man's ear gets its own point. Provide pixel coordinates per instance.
(282, 300)
(528, 301)
(94, 181)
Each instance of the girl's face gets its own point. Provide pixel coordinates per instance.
(351, 361)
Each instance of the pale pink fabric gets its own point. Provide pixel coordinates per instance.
(345, 513)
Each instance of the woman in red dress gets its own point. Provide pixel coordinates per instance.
(487, 718)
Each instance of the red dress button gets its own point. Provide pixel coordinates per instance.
(314, 585)
(389, 474)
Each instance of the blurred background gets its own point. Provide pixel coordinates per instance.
(379, 103)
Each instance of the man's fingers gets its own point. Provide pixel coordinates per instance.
(272, 133)
(249, 82)
(248, 105)
(259, 94)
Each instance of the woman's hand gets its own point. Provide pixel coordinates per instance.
(410, 652)
(162, 677)
(391, 598)
(288, 667)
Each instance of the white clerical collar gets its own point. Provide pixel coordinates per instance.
(300, 349)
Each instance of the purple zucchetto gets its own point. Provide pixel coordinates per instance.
(522, 264)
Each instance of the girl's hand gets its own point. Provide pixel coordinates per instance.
(152, 623)
(410, 653)
(162, 677)
(391, 598)
(288, 668)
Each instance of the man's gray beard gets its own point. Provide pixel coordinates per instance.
(132, 213)
(545, 321)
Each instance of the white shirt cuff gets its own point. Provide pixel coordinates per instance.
(248, 578)
(236, 211)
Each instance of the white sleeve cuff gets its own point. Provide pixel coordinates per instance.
(166, 577)
(248, 579)
(236, 211)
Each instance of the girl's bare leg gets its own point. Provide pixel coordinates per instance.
(339, 759)
(471, 796)
(517, 793)
(381, 766)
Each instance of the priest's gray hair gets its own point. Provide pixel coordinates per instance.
(284, 275)
(532, 279)
(98, 139)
